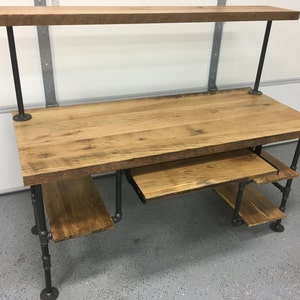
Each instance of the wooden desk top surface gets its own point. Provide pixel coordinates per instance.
(79, 15)
(66, 142)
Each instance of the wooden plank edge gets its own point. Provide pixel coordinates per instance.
(284, 172)
(81, 235)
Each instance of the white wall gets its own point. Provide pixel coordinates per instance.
(242, 42)
(29, 64)
(115, 61)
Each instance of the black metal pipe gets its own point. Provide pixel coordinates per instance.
(34, 229)
(258, 149)
(49, 292)
(296, 157)
(21, 116)
(255, 90)
(279, 186)
(277, 226)
(236, 221)
(118, 214)
(289, 182)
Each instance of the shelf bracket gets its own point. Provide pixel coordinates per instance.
(215, 53)
(46, 61)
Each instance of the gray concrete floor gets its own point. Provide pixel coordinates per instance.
(179, 248)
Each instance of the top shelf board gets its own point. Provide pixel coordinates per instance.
(80, 15)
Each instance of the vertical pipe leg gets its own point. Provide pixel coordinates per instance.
(236, 221)
(118, 214)
(258, 149)
(34, 229)
(21, 116)
(255, 90)
(277, 226)
(49, 293)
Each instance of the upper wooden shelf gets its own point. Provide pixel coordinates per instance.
(75, 15)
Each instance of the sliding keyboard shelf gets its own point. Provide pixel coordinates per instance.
(221, 171)
(168, 179)
(75, 208)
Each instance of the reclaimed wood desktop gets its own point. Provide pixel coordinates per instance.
(67, 142)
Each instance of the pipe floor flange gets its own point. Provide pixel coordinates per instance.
(52, 296)
(277, 227)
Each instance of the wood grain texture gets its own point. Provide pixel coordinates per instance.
(171, 178)
(75, 208)
(285, 172)
(67, 142)
(255, 209)
(64, 15)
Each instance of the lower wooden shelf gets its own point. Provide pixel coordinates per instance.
(75, 208)
(255, 208)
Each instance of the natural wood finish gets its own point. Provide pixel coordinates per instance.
(285, 172)
(64, 15)
(75, 208)
(172, 178)
(255, 208)
(67, 142)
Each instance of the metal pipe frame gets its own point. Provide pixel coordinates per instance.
(118, 214)
(21, 116)
(50, 292)
(34, 229)
(279, 186)
(257, 149)
(255, 90)
(277, 226)
(236, 221)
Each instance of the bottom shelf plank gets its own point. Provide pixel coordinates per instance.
(75, 208)
(255, 208)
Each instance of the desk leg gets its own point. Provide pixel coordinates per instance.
(34, 229)
(277, 226)
(236, 221)
(118, 214)
(49, 293)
